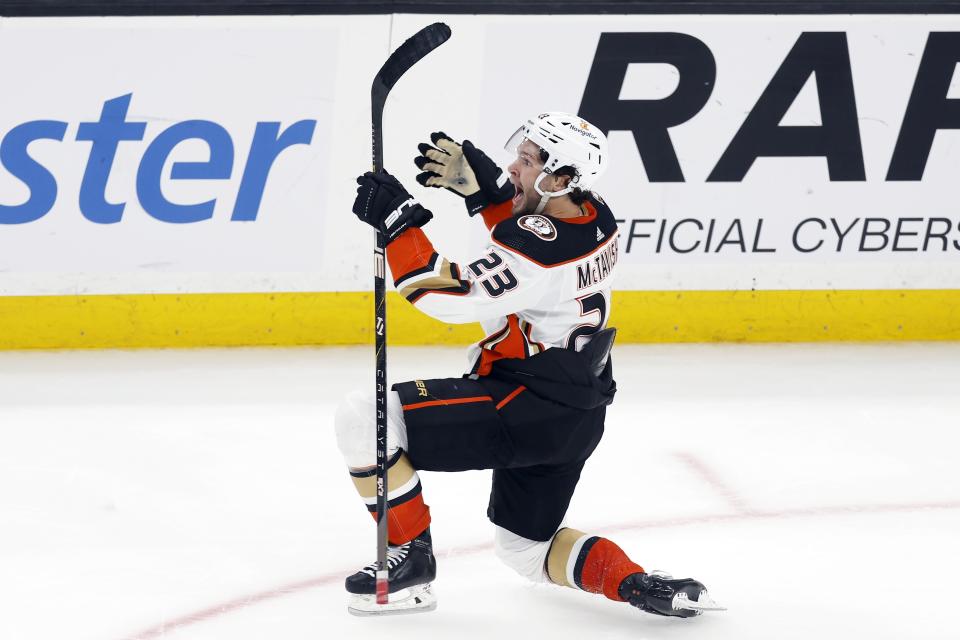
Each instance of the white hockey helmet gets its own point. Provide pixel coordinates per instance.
(569, 141)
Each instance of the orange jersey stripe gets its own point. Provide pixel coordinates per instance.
(510, 397)
(590, 217)
(513, 345)
(434, 403)
(409, 251)
(496, 213)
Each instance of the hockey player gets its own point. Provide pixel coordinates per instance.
(532, 404)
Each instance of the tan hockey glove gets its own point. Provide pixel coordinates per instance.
(463, 170)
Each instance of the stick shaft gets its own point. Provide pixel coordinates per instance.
(399, 62)
(380, 330)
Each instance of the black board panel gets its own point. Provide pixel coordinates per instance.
(37, 8)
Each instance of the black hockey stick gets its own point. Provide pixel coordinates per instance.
(399, 62)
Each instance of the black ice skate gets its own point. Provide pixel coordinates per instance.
(657, 592)
(411, 568)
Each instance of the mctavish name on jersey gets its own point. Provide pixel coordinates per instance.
(112, 129)
(598, 266)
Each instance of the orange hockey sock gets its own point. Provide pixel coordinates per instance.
(589, 563)
(408, 516)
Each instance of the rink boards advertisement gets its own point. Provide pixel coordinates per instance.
(774, 177)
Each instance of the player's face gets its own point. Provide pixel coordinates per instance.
(523, 174)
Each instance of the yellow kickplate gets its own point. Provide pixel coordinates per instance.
(331, 318)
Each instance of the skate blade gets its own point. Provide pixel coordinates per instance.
(413, 600)
(703, 603)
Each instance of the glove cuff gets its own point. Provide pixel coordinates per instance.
(399, 220)
(476, 203)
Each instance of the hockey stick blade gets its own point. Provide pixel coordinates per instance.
(415, 48)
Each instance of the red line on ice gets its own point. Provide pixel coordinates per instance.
(330, 578)
(232, 605)
(698, 466)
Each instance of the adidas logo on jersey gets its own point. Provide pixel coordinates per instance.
(600, 235)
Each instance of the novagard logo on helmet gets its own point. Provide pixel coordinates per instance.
(540, 225)
(583, 130)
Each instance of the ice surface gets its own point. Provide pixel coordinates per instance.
(199, 495)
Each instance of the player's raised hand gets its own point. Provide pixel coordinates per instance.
(464, 170)
(384, 204)
(444, 166)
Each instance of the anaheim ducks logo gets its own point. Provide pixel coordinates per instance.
(539, 225)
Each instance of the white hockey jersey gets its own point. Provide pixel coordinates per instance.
(542, 282)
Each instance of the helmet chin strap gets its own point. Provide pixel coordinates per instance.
(546, 195)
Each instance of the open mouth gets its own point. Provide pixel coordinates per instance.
(518, 196)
